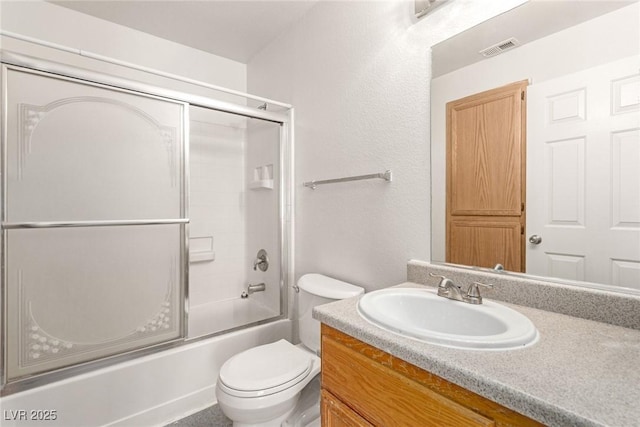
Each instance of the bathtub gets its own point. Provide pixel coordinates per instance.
(152, 390)
(223, 315)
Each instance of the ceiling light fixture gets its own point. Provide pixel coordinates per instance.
(425, 6)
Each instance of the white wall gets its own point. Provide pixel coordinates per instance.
(613, 36)
(358, 76)
(357, 112)
(56, 24)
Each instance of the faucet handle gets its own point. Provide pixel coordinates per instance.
(444, 282)
(446, 288)
(473, 293)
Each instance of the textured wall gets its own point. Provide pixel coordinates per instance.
(358, 76)
(359, 110)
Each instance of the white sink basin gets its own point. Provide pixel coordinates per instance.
(421, 314)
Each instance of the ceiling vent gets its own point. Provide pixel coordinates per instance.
(500, 47)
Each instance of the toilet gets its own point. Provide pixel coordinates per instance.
(262, 386)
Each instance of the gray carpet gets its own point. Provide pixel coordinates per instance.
(210, 417)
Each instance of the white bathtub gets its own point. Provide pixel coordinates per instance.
(149, 391)
(227, 314)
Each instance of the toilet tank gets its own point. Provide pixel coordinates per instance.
(317, 289)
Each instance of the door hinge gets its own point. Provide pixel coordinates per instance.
(522, 207)
(522, 230)
(522, 95)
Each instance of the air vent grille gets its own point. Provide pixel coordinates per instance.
(500, 47)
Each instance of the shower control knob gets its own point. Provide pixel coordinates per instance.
(261, 261)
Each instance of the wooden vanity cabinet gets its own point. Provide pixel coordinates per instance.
(364, 386)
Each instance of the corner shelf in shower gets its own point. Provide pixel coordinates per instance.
(261, 183)
(262, 178)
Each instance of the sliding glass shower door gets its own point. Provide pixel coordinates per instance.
(235, 196)
(93, 221)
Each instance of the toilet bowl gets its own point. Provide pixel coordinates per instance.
(261, 386)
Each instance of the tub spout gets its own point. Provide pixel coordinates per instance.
(260, 287)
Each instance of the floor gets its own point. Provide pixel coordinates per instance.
(308, 408)
(210, 417)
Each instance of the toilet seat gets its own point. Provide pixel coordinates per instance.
(265, 370)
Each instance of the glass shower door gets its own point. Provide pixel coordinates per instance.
(93, 221)
(235, 212)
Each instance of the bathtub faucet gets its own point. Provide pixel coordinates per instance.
(256, 288)
(260, 287)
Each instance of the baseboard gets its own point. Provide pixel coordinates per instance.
(171, 411)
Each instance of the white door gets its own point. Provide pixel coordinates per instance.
(583, 175)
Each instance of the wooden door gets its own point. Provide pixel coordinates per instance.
(584, 191)
(486, 178)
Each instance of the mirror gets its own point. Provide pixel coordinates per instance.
(582, 63)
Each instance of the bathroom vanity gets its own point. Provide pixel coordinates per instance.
(580, 372)
(354, 374)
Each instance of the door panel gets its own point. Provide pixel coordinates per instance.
(81, 152)
(78, 294)
(485, 243)
(82, 158)
(583, 194)
(485, 154)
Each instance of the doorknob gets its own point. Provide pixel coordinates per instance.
(535, 239)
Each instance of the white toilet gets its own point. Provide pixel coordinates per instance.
(261, 386)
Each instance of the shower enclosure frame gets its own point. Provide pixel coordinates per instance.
(284, 119)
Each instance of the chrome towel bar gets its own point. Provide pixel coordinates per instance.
(386, 175)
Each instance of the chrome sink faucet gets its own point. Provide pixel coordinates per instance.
(448, 289)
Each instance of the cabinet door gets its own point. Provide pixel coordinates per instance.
(386, 397)
(336, 414)
(387, 391)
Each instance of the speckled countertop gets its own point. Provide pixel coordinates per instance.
(580, 372)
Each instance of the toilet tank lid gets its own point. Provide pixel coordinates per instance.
(327, 287)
